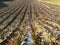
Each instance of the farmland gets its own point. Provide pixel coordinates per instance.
(29, 22)
(54, 1)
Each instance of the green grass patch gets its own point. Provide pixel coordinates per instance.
(18, 42)
(54, 1)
